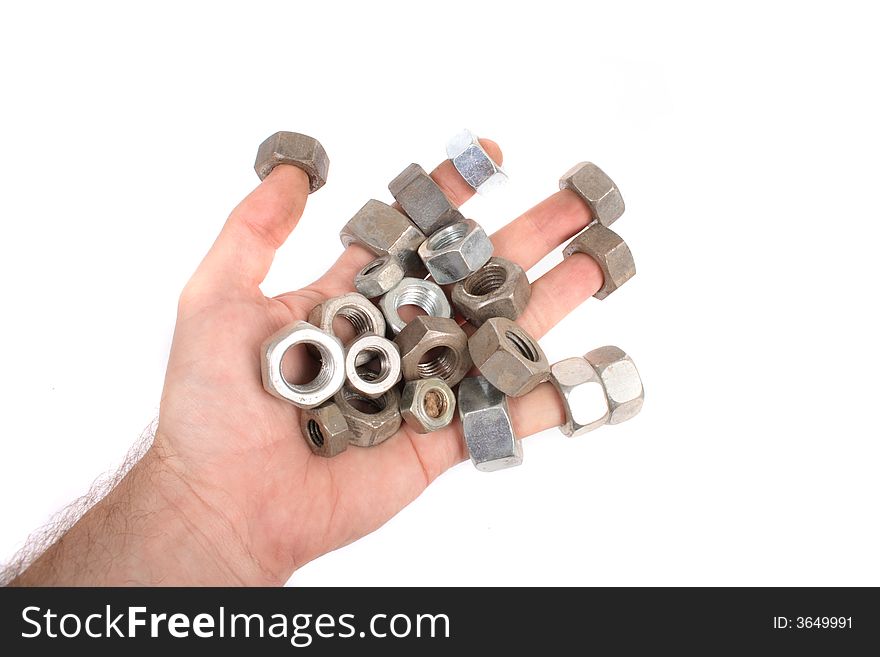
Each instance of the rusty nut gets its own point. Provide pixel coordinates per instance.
(609, 251)
(427, 405)
(325, 429)
(623, 385)
(298, 150)
(508, 357)
(371, 421)
(382, 230)
(433, 347)
(455, 252)
(423, 201)
(499, 289)
(595, 189)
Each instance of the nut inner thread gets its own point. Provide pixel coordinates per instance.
(523, 345)
(328, 369)
(441, 366)
(488, 279)
(419, 296)
(364, 404)
(315, 434)
(434, 403)
(374, 376)
(359, 319)
(447, 236)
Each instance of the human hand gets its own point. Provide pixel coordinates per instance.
(241, 497)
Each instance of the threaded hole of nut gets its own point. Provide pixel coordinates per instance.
(315, 434)
(358, 318)
(447, 236)
(434, 403)
(373, 266)
(419, 296)
(364, 404)
(378, 366)
(325, 373)
(488, 279)
(439, 362)
(523, 345)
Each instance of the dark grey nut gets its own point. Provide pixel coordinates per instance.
(486, 425)
(582, 393)
(508, 357)
(457, 251)
(609, 251)
(473, 163)
(596, 189)
(371, 421)
(382, 230)
(433, 347)
(623, 385)
(427, 405)
(378, 277)
(299, 150)
(325, 430)
(499, 289)
(423, 201)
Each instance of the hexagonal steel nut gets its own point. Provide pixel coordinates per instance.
(499, 289)
(433, 347)
(371, 421)
(457, 251)
(486, 425)
(609, 251)
(364, 317)
(596, 189)
(422, 200)
(299, 150)
(623, 385)
(509, 358)
(325, 430)
(583, 395)
(321, 388)
(382, 230)
(419, 292)
(473, 163)
(378, 277)
(427, 405)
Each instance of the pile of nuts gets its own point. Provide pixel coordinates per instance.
(357, 397)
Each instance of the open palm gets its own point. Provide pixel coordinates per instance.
(241, 451)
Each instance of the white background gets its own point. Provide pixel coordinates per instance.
(745, 141)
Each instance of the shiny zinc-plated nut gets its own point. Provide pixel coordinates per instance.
(486, 425)
(372, 421)
(508, 357)
(623, 385)
(426, 295)
(373, 350)
(596, 189)
(382, 230)
(325, 429)
(378, 277)
(499, 289)
(356, 308)
(315, 392)
(583, 395)
(299, 150)
(434, 347)
(423, 201)
(456, 252)
(473, 163)
(609, 251)
(427, 405)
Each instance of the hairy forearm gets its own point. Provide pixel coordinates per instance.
(151, 529)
